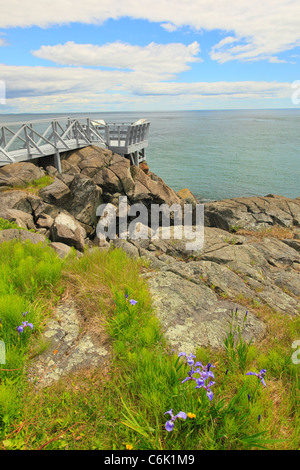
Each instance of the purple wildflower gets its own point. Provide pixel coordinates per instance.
(20, 328)
(203, 371)
(189, 358)
(133, 302)
(201, 384)
(170, 424)
(24, 314)
(260, 375)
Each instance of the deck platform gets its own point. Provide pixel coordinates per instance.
(30, 140)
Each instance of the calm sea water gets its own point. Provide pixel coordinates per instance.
(218, 154)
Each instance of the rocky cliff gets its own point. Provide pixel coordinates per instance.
(250, 260)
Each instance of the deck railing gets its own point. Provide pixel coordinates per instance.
(24, 141)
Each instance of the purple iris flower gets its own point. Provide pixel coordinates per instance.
(20, 328)
(24, 314)
(170, 424)
(190, 361)
(201, 384)
(260, 375)
(189, 358)
(133, 302)
(203, 371)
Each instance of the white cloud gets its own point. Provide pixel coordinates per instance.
(23, 82)
(2, 40)
(36, 81)
(268, 27)
(170, 27)
(222, 89)
(225, 51)
(155, 58)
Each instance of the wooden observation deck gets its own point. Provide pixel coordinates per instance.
(21, 141)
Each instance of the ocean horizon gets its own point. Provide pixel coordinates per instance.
(216, 154)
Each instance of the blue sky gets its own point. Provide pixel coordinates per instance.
(100, 55)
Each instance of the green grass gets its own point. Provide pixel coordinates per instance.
(34, 186)
(5, 224)
(28, 274)
(124, 404)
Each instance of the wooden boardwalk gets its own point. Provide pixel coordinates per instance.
(21, 141)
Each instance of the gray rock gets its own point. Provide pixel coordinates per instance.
(21, 218)
(293, 243)
(126, 246)
(253, 212)
(67, 230)
(9, 234)
(61, 249)
(47, 209)
(20, 200)
(51, 171)
(22, 235)
(69, 348)
(56, 193)
(149, 189)
(108, 181)
(69, 169)
(193, 316)
(17, 174)
(32, 237)
(84, 200)
(45, 221)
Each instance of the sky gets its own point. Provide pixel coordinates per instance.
(151, 55)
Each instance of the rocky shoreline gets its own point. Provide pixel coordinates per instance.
(194, 293)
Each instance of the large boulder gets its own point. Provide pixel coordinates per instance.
(22, 235)
(21, 218)
(55, 193)
(108, 181)
(192, 315)
(61, 249)
(20, 200)
(187, 196)
(20, 173)
(66, 229)
(151, 189)
(84, 200)
(252, 212)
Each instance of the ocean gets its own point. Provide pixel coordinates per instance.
(217, 154)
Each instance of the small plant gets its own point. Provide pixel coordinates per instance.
(235, 346)
(234, 228)
(34, 186)
(5, 224)
(235, 413)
